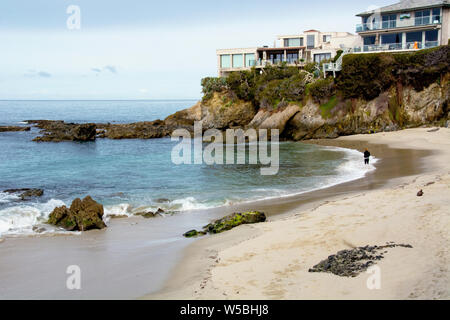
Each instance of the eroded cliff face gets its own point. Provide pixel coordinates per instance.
(393, 110)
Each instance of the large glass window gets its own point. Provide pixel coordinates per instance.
(310, 41)
(436, 18)
(389, 21)
(369, 40)
(414, 36)
(293, 42)
(250, 60)
(276, 57)
(292, 57)
(391, 38)
(238, 60)
(225, 61)
(431, 38)
(322, 56)
(414, 40)
(423, 17)
(431, 35)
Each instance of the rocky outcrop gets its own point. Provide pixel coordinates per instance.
(229, 222)
(57, 131)
(26, 193)
(266, 119)
(221, 112)
(13, 128)
(83, 215)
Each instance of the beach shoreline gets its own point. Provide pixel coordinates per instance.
(257, 262)
(132, 244)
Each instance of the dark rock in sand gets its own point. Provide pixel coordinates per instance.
(420, 193)
(233, 220)
(83, 215)
(13, 128)
(57, 131)
(194, 233)
(229, 222)
(25, 193)
(350, 263)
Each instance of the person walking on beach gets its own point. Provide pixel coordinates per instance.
(366, 156)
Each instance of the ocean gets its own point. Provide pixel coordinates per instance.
(130, 176)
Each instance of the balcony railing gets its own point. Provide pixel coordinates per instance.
(397, 46)
(395, 24)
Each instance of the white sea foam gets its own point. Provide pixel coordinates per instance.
(8, 197)
(21, 219)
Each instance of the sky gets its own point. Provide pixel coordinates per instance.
(143, 49)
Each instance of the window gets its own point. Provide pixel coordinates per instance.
(292, 57)
(431, 35)
(389, 21)
(225, 61)
(322, 56)
(391, 38)
(293, 42)
(414, 37)
(436, 18)
(423, 17)
(310, 41)
(238, 60)
(327, 38)
(250, 60)
(369, 40)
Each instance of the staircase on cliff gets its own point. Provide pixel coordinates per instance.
(335, 66)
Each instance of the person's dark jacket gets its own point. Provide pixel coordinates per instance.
(366, 154)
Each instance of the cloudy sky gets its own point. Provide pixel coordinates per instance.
(143, 49)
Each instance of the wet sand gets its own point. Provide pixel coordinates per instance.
(193, 278)
(129, 260)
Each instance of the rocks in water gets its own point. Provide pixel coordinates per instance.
(229, 222)
(38, 229)
(420, 193)
(57, 131)
(26, 193)
(83, 215)
(150, 214)
(350, 263)
(13, 128)
(194, 233)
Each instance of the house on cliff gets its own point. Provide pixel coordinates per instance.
(405, 26)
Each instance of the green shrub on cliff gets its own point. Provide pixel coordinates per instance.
(367, 75)
(322, 90)
(270, 95)
(211, 85)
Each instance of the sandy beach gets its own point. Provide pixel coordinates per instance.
(271, 260)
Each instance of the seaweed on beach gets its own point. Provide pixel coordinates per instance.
(350, 263)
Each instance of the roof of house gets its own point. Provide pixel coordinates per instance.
(405, 5)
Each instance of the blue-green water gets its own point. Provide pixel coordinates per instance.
(128, 176)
